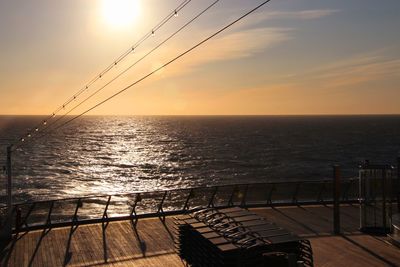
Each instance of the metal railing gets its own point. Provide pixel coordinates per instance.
(132, 206)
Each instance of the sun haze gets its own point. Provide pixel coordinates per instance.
(120, 13)
(289, 57)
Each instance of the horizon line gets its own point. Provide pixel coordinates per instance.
(211, 115)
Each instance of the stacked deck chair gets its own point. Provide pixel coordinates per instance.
(237, 237)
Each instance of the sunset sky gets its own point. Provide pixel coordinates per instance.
(290, 57)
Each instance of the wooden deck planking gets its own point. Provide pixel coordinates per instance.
(311, 220)
(152, 245)
(341, 251)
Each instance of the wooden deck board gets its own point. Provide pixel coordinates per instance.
(341, 251)
(152, 245)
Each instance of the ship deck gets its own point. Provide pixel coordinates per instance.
(150, 243)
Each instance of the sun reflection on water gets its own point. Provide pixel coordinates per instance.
(125, 157)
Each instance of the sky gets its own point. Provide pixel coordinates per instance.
(289, 57)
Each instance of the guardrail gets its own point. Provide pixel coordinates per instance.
(132, 206)
(105, 208)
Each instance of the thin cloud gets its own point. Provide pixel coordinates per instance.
(234, 46)
(302, 14)
(355, 70)
(293, 15)
(244, 43)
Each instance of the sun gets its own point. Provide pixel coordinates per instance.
(120, 13)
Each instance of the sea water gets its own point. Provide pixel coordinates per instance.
(97, 155)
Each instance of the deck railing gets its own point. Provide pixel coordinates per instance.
(133, 206)
(105, 208)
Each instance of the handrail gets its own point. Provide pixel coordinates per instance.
(176, 189)
(106, 208)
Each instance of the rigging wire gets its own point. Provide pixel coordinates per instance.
(161, 67)
(171, 15)
(128, 68)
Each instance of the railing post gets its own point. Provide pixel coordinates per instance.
(6, 230)
(398, 184)
(18, 219)
(211, 202)
(234, 191)
(336, 199)
(243, 203)
(105, 215)
(160, 210)
(26, 217)
(75, 217)
(384, 203)
(190, 195)
(48, 221)
(269, 197)
(9, 180)
(320, 198)
(345, 195)
(133, 216)
(295, 193)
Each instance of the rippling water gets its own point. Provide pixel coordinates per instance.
(102, 155)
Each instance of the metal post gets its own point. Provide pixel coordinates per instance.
(234, 190)
(246, 189)
(6, 229)
(384, 177)
(9, 180)
(211, 202)
(186, 206)
(336, 199)
(398, 184)
(320, 197)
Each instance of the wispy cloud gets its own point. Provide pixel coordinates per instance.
(302, 14)
(293, 15)
(234, 46)
(354, 70)
(250, 40)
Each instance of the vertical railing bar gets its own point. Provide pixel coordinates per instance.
(389, 197)
(351, 192)
(269, 197)
(384, 176)
(336, 199)
(186, 206)
(78, 205)
(362, 196)
(243, 203)
(211, 202)
(25, 221)
(346, 190)
(398, 184)
(48, 221)
(294, 198)
(392, 197)
(374, 197)
(160, 205)
(322, 189)
(17, 217)
(105, 215)
(9, 180)
(160, 210)
(230, 202)
(133, 212)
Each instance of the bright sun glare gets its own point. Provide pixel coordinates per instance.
(120, 12)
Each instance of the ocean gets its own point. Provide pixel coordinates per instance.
(97, 155)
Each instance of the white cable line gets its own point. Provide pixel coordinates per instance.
(106, 70)
(128, 68)
(161, 67)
